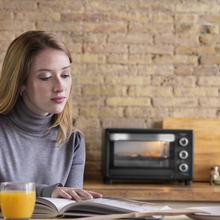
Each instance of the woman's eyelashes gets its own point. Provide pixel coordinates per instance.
(65, 75)
(47, 77)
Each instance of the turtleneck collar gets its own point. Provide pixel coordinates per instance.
(28, 121)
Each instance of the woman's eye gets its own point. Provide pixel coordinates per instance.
(45, 78)
(65, 75)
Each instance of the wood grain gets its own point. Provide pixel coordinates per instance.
(202, 192)
(207, 143)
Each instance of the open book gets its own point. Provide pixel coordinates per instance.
(113, 208)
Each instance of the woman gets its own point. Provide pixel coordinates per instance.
(37, 138)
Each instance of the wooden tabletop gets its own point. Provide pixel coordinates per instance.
(163, 192)
(165, 218)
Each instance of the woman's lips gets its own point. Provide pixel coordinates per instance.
(58, 100)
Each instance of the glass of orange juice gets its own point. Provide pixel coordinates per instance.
(17, 200)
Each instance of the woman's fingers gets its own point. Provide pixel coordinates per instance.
(60, 192)
(75, 194)
(95, 194)
(84, 194)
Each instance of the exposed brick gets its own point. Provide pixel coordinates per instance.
(20, 5)
(131, 38)
(210, 59)
(134, 62)
(187, 28)
(123, 122)
(90, 79)
(209, 102)
(175, 102)
(194, 112)
(206, 70)
(198, 91)
(60, 26)
(209, 81)
(172, 80)
(74, 47)
(192, 6)
(120, 27)
(128, 80)
(150, 91)
(131, 59)
(209, 29)
(105, 69)
(83, 123)
(46, 15)
(105, 16)
(6, 36)
(127, 101)
(105, 48)
(100, 5)
(210, 19)
(164, 69)
(150, 28)
(151, 49)
(184, 69)
(142, 69)
(186, 18)
(187, 39)
(93, 155)
(107, 112)
(162, 18)
(195, 50)
(64, 5)
(101, 112)
(176, 59)
(11, 25)
(6, 15)
(165, 6)
(89, 111)
(88, 58)
(85, 17)
(89, 101)
(146, 112)
(139, 59)
(107, 90)
(183, 39)
(209, 39)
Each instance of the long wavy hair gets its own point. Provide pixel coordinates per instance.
(14, 74)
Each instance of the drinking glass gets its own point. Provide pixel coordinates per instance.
(17, 200)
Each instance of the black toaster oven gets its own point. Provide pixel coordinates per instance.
(153, 155)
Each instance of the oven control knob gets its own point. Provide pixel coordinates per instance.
(183, 154)
(183, 141)
(183, 167)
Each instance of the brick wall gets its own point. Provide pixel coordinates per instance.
(136, 62)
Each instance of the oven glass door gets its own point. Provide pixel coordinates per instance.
(145, 151)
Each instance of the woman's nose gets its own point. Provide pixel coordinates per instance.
(58, 85)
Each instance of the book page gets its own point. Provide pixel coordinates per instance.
(129, 205)
(56, 203)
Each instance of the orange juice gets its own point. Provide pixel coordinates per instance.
(17, 204)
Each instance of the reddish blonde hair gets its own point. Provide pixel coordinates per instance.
(15, 69)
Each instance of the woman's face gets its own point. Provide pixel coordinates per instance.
(49, 82)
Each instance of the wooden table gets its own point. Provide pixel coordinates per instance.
(202, 192)
(166, 218)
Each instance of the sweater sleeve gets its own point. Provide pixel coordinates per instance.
(45, 190)
(76, 174)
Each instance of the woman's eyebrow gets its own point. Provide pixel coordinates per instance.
(50, 70)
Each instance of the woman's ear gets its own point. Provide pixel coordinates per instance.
(21, 90)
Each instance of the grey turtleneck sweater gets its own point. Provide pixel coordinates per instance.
(28, 152)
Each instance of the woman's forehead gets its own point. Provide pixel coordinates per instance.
(50, 59)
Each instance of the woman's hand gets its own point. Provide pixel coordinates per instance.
(74, 193)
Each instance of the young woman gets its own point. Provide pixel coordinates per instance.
(38, 142)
